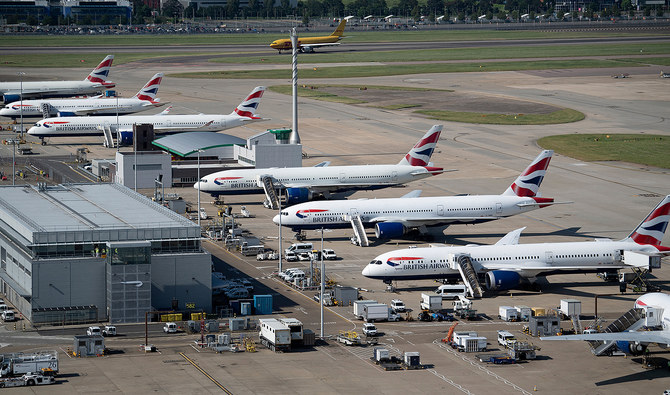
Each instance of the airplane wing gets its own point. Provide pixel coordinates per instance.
(323, 164)
(440, 171)
(659, 337)
(412, 194)
(318, 45)
(87, 111)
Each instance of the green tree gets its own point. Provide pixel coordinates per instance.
(232, 8)
(172, 8)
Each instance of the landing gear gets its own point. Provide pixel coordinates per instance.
(42, 141)
(389, 286)
(300, 236)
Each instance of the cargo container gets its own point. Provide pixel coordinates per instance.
(459, 336)
(263, 304)
(431, 302)
(571, 307)
(358, 307)
(345, 296)
(473, 344)
(375, 312)
(412, 359)
(524, 312)
(508, 313)
(274, 335)
(245, 308)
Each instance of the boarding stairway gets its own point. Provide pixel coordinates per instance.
(45, 109)
(271, 198)
(109, 140)
(632, 320)
(576, 324)
(463, 263)
(359, 230)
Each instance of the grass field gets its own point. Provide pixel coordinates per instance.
(650, 150)
(84, 60)
(565, 115)
(354, 36)
(404, 69)
(313, 92)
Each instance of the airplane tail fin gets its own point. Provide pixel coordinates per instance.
(420, 154)
(339, 32)
(652, 229)
(528, 182)
(100, 73)
(149, 91)
(249, 106)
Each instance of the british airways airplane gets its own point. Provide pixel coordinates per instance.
(635, 342)
(94, 83)
(395, 217)
(164, 123)
(303, 183)
(507, 264)
(143, 100)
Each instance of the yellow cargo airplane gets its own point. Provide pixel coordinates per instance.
(307, 44)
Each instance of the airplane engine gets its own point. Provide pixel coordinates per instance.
(11, 98)
(502, 280)
(297, 195)
(66, 114)
(631, 347)
(389, 230)
(126, 138)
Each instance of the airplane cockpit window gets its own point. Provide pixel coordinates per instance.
(203, 180)
(376, 262)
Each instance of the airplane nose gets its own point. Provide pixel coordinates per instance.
(276, 219)
(366, 271)
(197, 185)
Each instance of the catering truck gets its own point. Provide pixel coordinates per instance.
(13, 365)
(274, 334)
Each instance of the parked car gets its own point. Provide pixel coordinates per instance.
(93, 330)
(304, 256)
(8, 316)
(170, 327)
(109, 330)
(369, 329)
(329, 254)
(290, 256)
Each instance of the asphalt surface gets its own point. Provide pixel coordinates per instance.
(609, 200)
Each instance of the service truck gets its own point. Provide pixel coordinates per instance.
(18, 364)
(375, 312)
(274, 335)
(524, 312)
(508, 313)
(431, 302)
(358, 307)
(27, 379)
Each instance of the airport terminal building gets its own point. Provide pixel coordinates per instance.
(82, 253)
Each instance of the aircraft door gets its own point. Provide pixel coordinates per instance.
(440, 210)
(498, 208)
(343, 177)
(549, 257)
(394, 176)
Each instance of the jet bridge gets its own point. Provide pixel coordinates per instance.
(463, 263)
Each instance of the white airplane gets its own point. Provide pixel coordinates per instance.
(395, 217)
(143, 100)
(164, 123)
(635, 342)
(303, 183)
(507, 264)
(94, 83)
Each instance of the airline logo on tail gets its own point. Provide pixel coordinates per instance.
(652, 229)
(149, 91)
(249, 106)
(420, 154)
(528, 183)
(100, 73)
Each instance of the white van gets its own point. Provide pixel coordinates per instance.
(452, 291)
(295, 275)
(299, 247)
(505, 338)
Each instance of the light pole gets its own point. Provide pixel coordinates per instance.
(281, 252)
(21, 74)
(323, 281)
(199, 151)
(13, 141)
